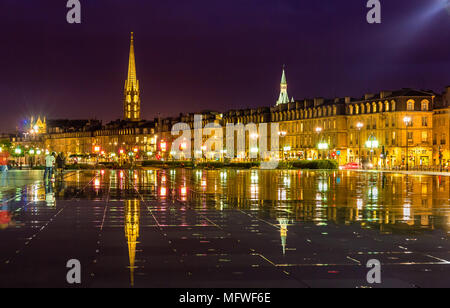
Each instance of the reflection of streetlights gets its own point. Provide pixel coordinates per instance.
(359, 126)
(407, 121)
(283, 134)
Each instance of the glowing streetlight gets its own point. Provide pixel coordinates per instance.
(323, 146)
(163, 146)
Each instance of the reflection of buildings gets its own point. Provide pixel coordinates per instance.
(132, 213)
(371, 128)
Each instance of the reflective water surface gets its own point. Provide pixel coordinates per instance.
(225, 228)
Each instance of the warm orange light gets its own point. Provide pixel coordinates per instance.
(97, 148)
(163, 146)
(135, 150)
(163, 191)
(183, 191)
(121, 151)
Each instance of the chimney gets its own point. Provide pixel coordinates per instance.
(318, 101)
(347, 99)
(368, 96)
(384, 94)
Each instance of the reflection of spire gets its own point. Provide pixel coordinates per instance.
(283, 232)
(132, 212)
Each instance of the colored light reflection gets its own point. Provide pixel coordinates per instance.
(163, 192)
(183, 191)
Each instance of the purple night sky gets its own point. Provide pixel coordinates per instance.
(218, 55)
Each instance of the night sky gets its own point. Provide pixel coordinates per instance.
(194, 55)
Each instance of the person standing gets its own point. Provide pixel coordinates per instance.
(60, 162)
(49, 164)
(4, 155)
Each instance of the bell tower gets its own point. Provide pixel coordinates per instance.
(132, 101)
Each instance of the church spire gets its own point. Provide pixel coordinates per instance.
(284, 98)
(132, 104)
(131, 80)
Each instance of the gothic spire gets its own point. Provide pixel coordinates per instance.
(132, 79)
(132, 103)
(284, 98)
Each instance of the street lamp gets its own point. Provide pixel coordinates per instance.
(359, 126)
(321, 144)
(283, 134)
(372, 144)
(407, 121)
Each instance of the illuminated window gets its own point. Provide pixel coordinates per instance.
(425, 105)
(410, 105)
(424, 136)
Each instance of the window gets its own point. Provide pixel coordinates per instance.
(424, 121)
(410, 136)
(410, 105)
(424, 105)
(424, 136)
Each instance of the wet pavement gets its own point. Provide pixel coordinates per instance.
(229, 228)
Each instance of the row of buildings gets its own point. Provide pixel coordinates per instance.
(387, 129)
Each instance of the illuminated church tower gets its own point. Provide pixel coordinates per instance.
(132, 104)
(284, 98)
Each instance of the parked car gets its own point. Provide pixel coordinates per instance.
(350, 166)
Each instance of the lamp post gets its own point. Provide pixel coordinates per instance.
(283, 134)
(359, 125)
(320, 143)
(372, 144)
(407, 121)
